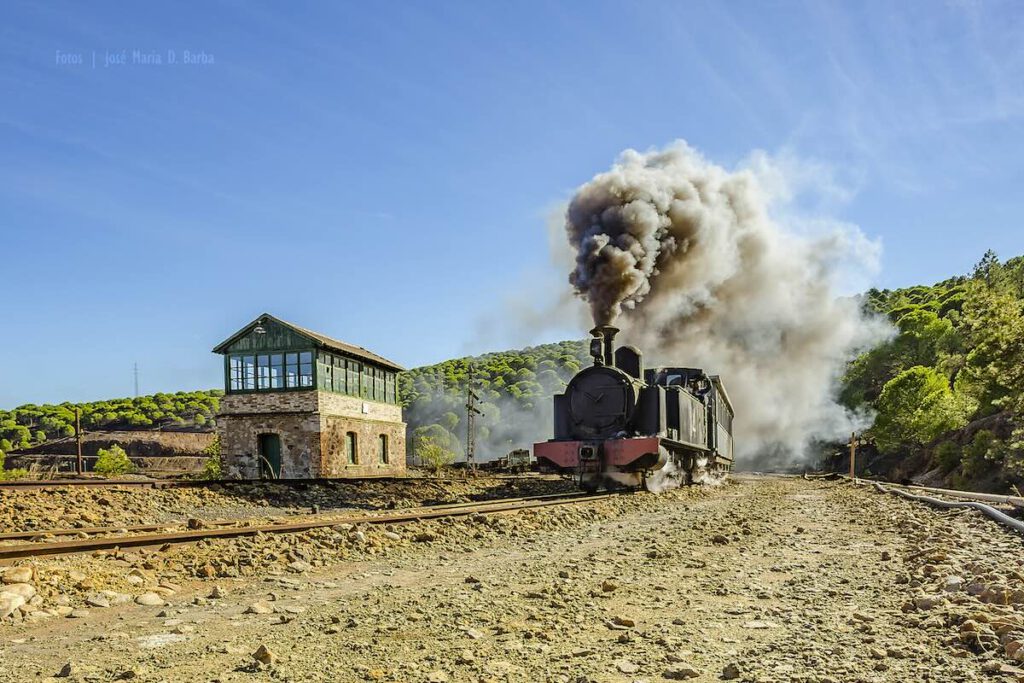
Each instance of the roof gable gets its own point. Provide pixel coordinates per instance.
(278, 334)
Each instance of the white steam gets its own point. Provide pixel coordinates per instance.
(684, 256)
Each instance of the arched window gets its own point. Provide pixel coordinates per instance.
(382, 449)
(351, 447)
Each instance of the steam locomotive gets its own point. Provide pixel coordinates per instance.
(620, 425)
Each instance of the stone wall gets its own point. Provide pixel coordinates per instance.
(137, 443)
(312, 426)
(300, 443)
(334, 454)
(272, 402)
(349, 406)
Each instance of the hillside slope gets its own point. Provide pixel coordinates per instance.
(514, 389)
(948, 389)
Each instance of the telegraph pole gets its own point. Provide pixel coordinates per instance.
(471, 412)
(78, 440)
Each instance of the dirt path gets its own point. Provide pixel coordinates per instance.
(762, 580)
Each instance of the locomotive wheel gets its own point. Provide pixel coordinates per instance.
(591, 485)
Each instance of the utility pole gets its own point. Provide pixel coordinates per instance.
(471, 412)
(135, 369)
(78, 440)
(853, 456)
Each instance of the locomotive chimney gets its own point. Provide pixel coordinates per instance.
(602, 346)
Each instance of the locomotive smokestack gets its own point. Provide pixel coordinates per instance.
(602, 346)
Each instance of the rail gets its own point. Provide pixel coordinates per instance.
(200, 483)
(13, 552)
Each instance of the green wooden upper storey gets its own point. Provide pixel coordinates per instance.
(270, 354)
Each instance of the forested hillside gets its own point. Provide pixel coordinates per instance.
(948, 389)
(514, 389)
(30, 424)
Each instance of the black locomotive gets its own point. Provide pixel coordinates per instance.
(618, 424)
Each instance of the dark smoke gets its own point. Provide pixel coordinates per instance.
(683, 255)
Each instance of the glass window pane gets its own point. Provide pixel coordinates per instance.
(276, 371)
(263, 371)
(249, 372)
(291, 370)
(306, 357)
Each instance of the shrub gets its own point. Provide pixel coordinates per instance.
(983, 453)
(947, 456)
(6, 475)
(113, 461)
(434, 455)
(213, 468)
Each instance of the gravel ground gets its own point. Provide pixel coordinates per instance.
(762, 579)
(74, 507)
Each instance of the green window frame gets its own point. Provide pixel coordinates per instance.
(366, 382)
(351, 447)
(353, 372)
(270, 371)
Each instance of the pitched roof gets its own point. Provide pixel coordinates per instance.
(320, 340)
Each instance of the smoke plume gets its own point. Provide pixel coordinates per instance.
(685, 257)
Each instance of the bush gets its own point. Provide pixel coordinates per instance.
(434, 455)
(113, 461)
(6, 475)
(213, 468)
(983, 454)
(947, 456)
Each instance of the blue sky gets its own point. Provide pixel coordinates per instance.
(383, 172)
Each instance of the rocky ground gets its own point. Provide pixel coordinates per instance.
(758, 580)
(74, 507)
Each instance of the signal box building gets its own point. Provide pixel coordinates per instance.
(299, 404)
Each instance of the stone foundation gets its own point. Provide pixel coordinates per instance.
(312, 426)
(334, 454)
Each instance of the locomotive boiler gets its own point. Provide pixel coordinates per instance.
(619, 424)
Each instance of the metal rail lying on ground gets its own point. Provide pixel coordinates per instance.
(14, 552)
(205, 523)
(199, 483)
(1001, 517)
(1014, 501)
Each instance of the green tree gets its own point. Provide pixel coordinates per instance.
(434, 455)
(916, 407)
(113, 461)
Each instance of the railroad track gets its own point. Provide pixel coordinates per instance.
(27, 484)
(82, 545)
